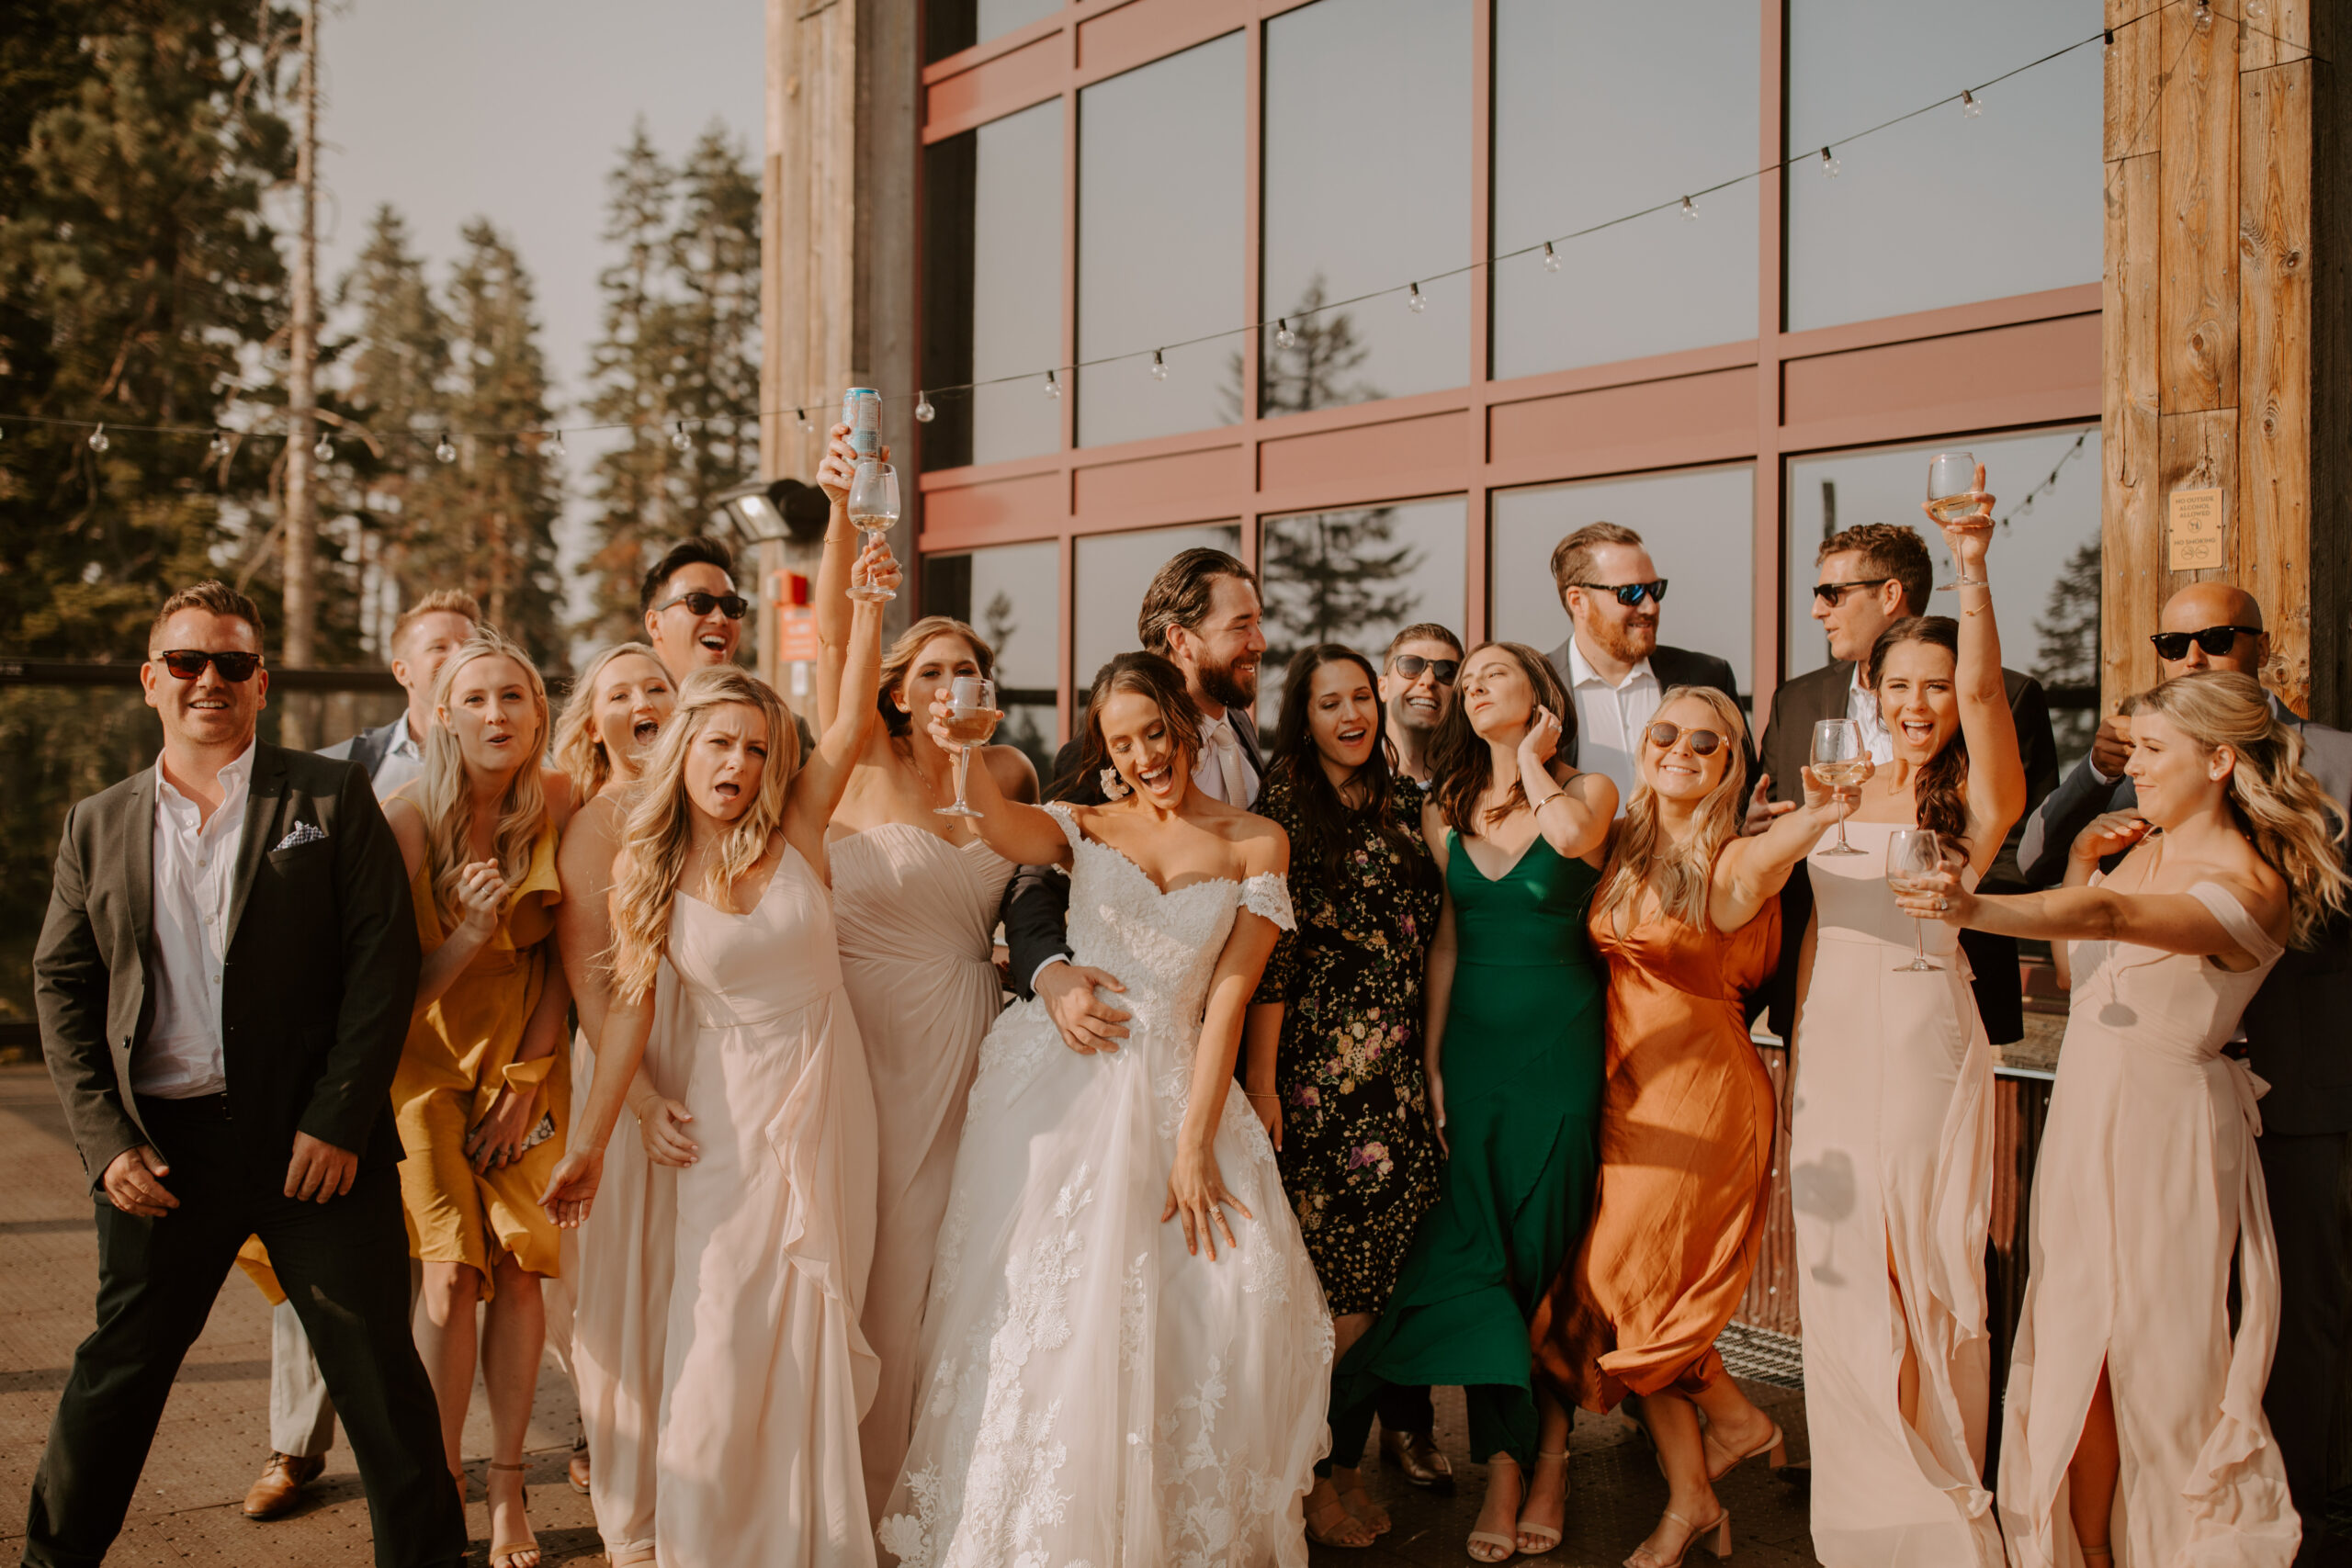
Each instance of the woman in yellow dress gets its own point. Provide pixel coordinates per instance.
(479, 1096)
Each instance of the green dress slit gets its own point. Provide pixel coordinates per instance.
(1522, 1065)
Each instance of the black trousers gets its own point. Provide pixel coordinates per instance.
(345, 1267)
(2306, 1176)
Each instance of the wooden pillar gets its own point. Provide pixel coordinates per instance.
(2224, 310)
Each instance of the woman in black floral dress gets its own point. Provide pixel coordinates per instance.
(1333, 1046)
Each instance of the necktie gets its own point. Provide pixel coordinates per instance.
(1227, 749)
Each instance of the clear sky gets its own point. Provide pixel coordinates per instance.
(515, 111)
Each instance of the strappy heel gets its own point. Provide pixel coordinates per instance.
(1775, 1448)
(516, 1553)
(1549, 1536)
(1505, 1547)
(1714, 1537)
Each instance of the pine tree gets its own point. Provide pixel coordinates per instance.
(1315, 371)
(1331, 576)
(628, 373)
(2068, 654)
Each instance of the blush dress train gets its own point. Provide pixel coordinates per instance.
(1091, 1392)
(1891, 1174)
(2146, 1191)
(766, 1373)
(916, 915)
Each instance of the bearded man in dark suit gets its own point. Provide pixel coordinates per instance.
(2294, 1031)
(1866, 579)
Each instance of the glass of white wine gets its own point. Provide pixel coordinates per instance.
(872, 510)
(971, 718)
(1911, 856)
(1951, 475)
(1838, 760)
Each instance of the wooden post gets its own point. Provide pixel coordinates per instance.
(2224, 310)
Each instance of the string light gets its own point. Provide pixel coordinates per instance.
(679, 440)
(1283, 336)
(1689, 210)
(445, 449)
(2106, 40)
(1158, 367)
(1551, 257)
(1968, 107)
(1830, 164)
(325, 450)
(924, 412)
(98, 442)
(802, 415)
(555, 447)
(1053, 385)
(1415, 300)
(2204, 17)
(220, 448)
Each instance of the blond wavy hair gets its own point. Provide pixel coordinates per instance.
(579, 752)
(2289, 819)
(660, 831)
(445, 800)
(1684, 873)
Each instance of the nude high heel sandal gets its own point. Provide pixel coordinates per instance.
(1714, 1537)
(517, 1553)
(1485, 1546)
(1544, 1533)
(1722, 1461)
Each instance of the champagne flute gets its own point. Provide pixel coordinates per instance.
(971, 718)
(1951, 477)
(1839, 759)
(1911, 856)
(873, 508)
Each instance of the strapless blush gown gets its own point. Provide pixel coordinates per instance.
(917, 916)
(1891, 1168)
(2147, 1189)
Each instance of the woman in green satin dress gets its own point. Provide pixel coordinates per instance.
(1514, 1042)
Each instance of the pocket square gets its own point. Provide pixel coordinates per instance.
(303, 833)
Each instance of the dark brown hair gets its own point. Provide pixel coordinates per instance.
(699, 550)
(1147, 674)
(211, 595)
(1421, 631)
(1572, 557)
(1937, 792)
(1888, 549)
(1326, 823)
(1460, 762)
(1178, 594)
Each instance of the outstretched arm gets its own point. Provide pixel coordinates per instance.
(1025, 835)
(1753, 870)
(818, 788)
(1996, 767)
(832, 601)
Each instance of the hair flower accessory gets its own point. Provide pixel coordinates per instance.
(1113, 786)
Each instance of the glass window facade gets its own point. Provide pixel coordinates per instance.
(1945, 209)
(1113, 572)
(1012, 595)
(993, 237)
(1659, 97)
(1358, 577)
(1367, 157)
(953, 25)
(2044, 563)
(1699, 528)
(1163, 167)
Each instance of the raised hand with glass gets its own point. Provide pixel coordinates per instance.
(874, 511)
(972, 717)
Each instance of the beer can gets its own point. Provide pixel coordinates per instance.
(862, 411)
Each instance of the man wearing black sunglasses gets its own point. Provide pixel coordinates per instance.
(224, 980)
(1613, 665)
(2295, 1034)
(1417, 682)
(693, 615)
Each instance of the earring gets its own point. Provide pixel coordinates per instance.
(1113, 786)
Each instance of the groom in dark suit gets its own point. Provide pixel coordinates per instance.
(224, 980)
(1201, 612)
(2294, 1040)
(1866, 579)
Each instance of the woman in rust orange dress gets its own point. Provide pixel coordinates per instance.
(1688, 917)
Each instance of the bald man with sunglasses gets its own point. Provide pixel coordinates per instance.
(2294, 1040)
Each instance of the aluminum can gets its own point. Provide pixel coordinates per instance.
(862, 411)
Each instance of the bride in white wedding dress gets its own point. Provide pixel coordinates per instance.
(1126, 1354)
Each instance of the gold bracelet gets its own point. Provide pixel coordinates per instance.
(1260, 1094)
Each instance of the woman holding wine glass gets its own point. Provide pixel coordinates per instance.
(1890, 1144)
(915, 896)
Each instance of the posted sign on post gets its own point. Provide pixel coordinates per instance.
(2194, 530)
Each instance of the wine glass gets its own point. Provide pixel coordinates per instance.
(1838, 760)
(1912, 855)
(873, 508)
(971, 719)
(1951, 477)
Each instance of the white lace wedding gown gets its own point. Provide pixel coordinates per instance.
(1091, 1393)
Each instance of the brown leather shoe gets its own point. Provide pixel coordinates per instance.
(281, 1483)
(1418, 1455)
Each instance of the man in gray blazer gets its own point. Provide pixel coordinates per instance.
(2295, 1038)
(224, 980)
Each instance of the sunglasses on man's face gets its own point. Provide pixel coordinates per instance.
(1628, 593)
(1830, 593)
(1411, 665)
(699, 604)
(1703, 742)
(187, 664)
(2173, 646)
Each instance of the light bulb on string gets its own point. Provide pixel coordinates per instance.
(1283, 336)
(1415, 300)
(802, 415)
(1689, 210)
(1968, 107)
(220, 448)
(1830, 164)
(2204, 17)
(1053, 385)
(325, 450)
(1551, 257)
(1158, 367)
(98, 442)
(555, 447)
(445, 449)
(679, 440)
(924, 412)
(2106, 40)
